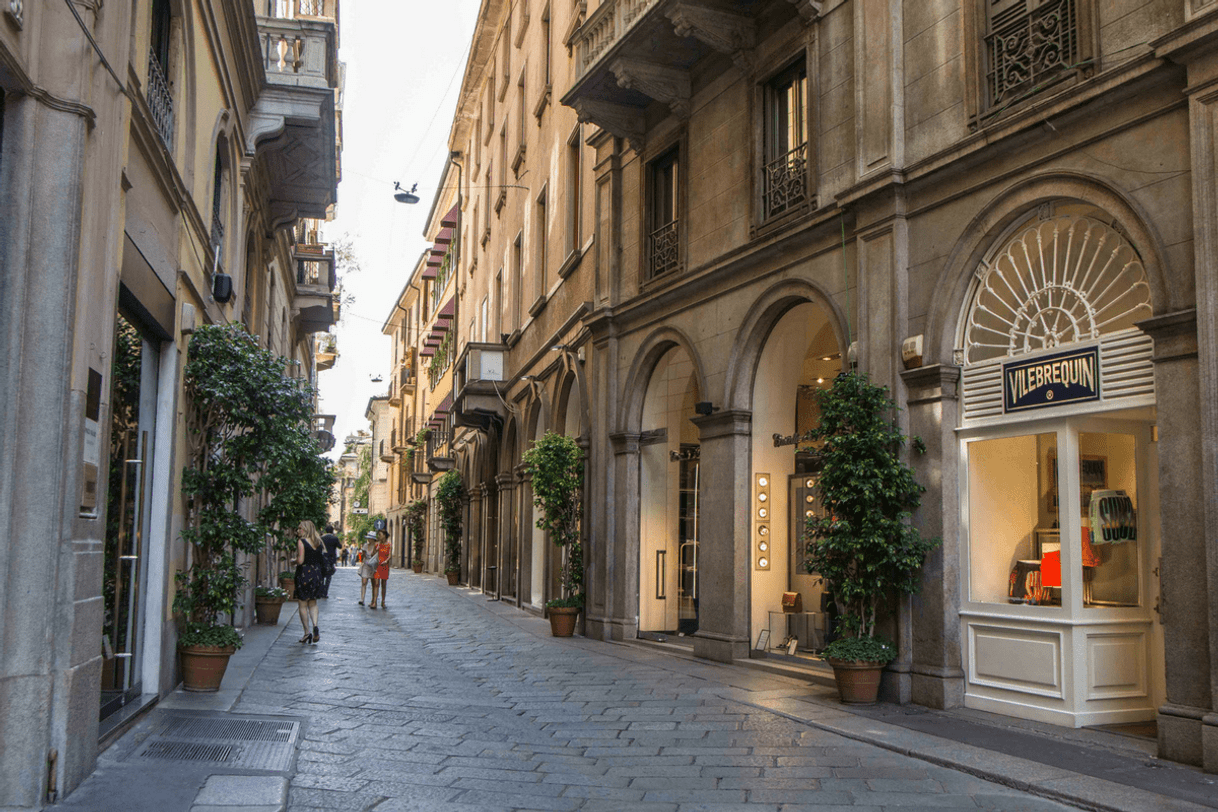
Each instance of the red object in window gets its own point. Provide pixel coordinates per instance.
(1051, 569)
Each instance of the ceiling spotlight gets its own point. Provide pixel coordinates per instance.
(403, 196)
(820, 380)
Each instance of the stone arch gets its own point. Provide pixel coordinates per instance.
(571, 382)
(1004, 212)
(650, 352)
(759, 322)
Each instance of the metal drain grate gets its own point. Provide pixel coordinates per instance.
(259, 743)
(185, 751)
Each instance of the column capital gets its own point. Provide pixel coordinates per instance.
(931, 384)
(1175, 335)
(724, 423)
(625, 442)
(506, 481)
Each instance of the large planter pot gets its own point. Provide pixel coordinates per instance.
(289, 586)
(267, 609)
(858, 682)
(453, 578)
(562, 620)
(418, 568)
(203, 666)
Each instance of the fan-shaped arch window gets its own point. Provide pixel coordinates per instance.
(1056, 280)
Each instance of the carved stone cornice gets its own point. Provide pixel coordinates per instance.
(620, 119)
(809, 10)
(725, 31)
(660, 82)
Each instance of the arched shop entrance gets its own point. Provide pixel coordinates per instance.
(800, 357)
(1059, 486)
(669, 499)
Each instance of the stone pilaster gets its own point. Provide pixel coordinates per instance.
(724, 546)
(932, 404)
(506, 486)
(474, 540)
(620, 576)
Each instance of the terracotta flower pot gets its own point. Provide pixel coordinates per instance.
(417, 568)
(562, 620)
(289, 586)
(858, 682)
(203, 666)
(267, 609)
(453, 578)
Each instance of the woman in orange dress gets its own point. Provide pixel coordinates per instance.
(384, 551)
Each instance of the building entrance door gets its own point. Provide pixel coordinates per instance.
(128, 514)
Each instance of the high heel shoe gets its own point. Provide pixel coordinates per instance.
(316, 634)
(308, 638)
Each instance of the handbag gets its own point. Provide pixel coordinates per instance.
(327, 563)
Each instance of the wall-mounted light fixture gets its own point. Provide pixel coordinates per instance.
(705, 407)
(762, 510)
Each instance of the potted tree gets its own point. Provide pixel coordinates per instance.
(449, 498)
(861, 544)
(247, 424)
(415, 512)
(556, 465)
(268, 601)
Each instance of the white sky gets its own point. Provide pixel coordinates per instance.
(405, 61)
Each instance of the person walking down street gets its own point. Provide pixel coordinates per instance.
(344, 556)
(384, 552)
(310, 577)
(366, 567)
(331, 552)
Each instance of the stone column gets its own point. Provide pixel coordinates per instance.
(724, 548)
(936, 672)
(507, 488)
(473, 532)
(619, 571)
(1187, 577)
(524, 553)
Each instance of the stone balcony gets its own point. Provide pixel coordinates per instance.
(315, 282)
(480, 371)
(631, 54)
(294, 126)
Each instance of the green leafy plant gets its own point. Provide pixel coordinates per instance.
(270, 592)
(450, 496)
(862, 545)
(556, 465)
(206, 634)
(415, 513)
(289, 574)
(249, 441)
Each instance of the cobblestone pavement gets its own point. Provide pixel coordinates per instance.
(447, 701)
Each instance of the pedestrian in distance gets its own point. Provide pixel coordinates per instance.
(344, 556)
(310, 577)
(331, 552)
(384, 552)
(366, 568)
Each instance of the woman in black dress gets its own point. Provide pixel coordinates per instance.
(310, 575)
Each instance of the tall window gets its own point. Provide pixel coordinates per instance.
(520, 123)
(518, 281)
(499, 304)
(546, 40)
(1029, 44)
(573, 191)
(157, 92)
(785, 174)
(483, 315)
(663, 213)
(217, 199)
(541, 245)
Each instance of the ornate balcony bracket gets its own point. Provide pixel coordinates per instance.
(621, 120)
(660, 82)
(809, 10)
(725, 31)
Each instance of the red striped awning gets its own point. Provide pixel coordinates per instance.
(444, 237)
(427, 352)
(431, 271)
(448, 311)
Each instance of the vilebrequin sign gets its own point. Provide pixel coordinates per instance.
(1051, 380)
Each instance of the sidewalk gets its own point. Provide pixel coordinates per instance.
(450, 701)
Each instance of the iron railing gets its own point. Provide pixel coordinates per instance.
(160, 99)
(1028, 48)
(785, 181)
(312, 272)
(664, 248)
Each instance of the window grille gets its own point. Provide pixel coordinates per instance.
(1031, 44)
(664, 239)
(784, 179)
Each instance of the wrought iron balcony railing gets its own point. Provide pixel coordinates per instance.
(1028, 49)
(664, 245)
(785, 181)
(160, 99)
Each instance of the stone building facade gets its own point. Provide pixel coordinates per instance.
(681, 219)
(157, 160)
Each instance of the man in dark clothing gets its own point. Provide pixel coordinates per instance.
(332, 545)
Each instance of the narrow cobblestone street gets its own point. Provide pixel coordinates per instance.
(449, 701)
